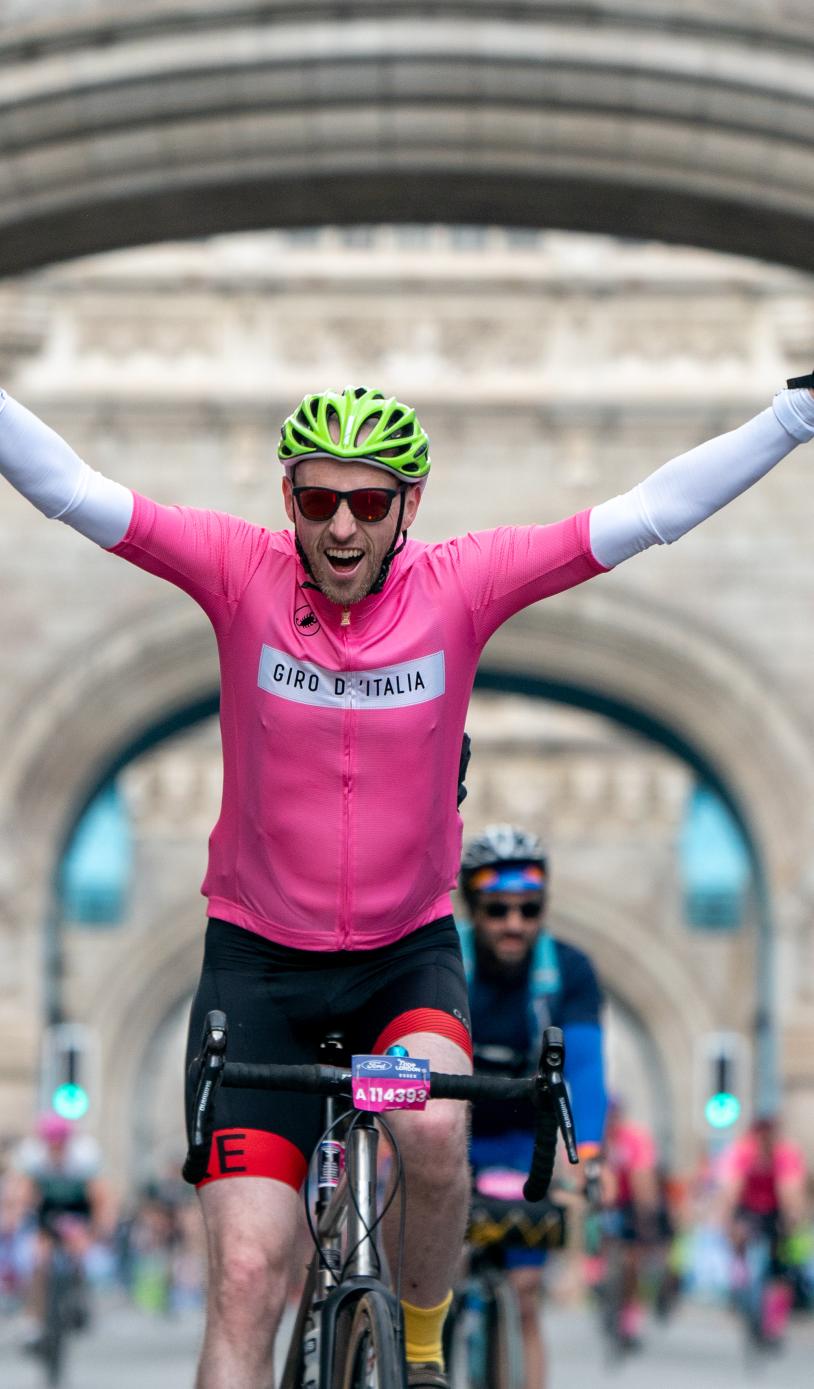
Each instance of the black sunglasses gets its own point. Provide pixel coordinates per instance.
(498, 911)
(366, 503)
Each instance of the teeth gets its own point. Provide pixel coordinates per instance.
(346, 554)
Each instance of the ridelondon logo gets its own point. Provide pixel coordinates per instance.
(388, 687)
(306, 620)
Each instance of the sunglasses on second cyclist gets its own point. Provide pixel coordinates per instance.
(366, 503)
(498, 911)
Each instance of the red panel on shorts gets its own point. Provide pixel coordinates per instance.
(254, 1153)
(425, 1020)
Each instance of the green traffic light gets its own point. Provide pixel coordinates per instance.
(70, 1101)
(722, 1110)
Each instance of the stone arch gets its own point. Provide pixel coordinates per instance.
(656, 986)
(143, 986)
(687, 123)
(665, 666)
(637, 657)
(683, 679)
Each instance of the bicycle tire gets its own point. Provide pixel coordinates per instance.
(504, 1352)
(465, 1343)
(55, 1328)
(483, 1345)
(372, 1356)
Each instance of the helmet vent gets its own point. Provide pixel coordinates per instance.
(357, 423)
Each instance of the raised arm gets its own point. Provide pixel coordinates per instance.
(696, 484)
(40, 465)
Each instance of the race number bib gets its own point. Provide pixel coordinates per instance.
(389, 1082)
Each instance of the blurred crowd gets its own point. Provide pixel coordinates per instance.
(739, 1231)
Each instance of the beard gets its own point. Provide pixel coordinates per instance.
(344, 595)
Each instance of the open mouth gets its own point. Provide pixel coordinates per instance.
(344, 561)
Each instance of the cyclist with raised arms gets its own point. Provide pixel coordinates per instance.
(347, 655)
(521, 980)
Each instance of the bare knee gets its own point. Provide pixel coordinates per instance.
(434, 1147)
(246, 1279)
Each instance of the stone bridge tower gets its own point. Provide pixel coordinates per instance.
(686, 122)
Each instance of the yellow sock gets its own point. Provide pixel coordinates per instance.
(423, 1327)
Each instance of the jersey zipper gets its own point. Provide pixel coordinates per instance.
(348, 739)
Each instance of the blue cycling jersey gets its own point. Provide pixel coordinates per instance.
(558, 987)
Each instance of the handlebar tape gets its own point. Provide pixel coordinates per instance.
(545, 1149)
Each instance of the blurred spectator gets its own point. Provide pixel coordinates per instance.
(162, 1256)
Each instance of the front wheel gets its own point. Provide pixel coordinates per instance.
(372, 1356)
(58, 1291)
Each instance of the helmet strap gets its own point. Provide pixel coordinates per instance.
(395, 549)
(304, 560)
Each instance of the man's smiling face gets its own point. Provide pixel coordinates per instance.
(345, 555)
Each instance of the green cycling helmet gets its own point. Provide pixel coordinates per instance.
(396, 441)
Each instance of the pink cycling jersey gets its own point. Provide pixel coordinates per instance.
(757, 1174)
(338, 825)
(630, 1149)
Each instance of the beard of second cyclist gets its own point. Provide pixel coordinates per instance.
(331, 546)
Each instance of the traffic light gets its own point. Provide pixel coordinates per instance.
(722, 1082)
(68, 1080)
(723, 1107)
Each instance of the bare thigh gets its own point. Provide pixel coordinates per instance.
(252, 1222)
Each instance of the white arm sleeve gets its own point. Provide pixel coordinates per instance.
(693, 486)
(46, 470)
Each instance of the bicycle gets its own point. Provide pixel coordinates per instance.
(347, 1331)
(65, 1309)
(483, 1342)
(762, 1280)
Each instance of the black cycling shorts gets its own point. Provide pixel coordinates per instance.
(280, 1003)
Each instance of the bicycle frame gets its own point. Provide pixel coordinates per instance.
(324, 1292)
(333, 1287)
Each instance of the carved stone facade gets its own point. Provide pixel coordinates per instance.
(552, 371)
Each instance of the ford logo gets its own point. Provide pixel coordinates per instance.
(375, 1066)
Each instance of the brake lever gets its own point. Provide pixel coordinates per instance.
(211, 1061)
(551, 1060)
